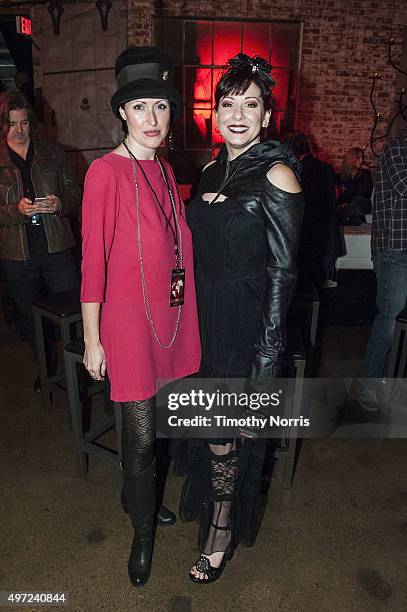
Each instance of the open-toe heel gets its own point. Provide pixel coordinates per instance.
(213, 573)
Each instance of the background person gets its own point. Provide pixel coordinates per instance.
(355, 187)
(35, 238)
(389, 252)
(319, 240)
(135, 238)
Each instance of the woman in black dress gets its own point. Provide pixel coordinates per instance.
(245, 221)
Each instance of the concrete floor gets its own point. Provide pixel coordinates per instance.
(335, 542)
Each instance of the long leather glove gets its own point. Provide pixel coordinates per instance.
(282, 216)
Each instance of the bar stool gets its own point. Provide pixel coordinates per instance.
(398, 353)
(64, 309)
(294, 362)
(304, 313)
(87, 442)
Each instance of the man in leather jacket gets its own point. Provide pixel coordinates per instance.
(38, 194)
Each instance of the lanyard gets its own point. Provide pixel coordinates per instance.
(174, 212)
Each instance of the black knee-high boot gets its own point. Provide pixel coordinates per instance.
(164, 515)
(141, 502)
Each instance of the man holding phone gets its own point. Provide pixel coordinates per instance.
(38, 194)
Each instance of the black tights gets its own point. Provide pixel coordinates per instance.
(138, 435)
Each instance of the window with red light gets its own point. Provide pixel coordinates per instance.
(201, 49)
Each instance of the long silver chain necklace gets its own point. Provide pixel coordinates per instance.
(179, 256)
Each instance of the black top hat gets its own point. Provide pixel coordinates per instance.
(144, 72)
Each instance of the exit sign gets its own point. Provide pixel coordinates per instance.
(24, 25)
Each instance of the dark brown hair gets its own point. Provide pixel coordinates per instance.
(14, 100)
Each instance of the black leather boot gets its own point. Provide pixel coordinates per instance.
(164, 516)
(141, 502)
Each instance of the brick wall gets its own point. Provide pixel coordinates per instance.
(344, 44)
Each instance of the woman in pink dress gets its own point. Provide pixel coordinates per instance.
(136, 248)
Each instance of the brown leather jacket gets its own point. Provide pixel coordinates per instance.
(50, 174)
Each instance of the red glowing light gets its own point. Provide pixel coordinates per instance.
(24, 25)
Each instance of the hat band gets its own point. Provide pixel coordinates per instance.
(141, 71)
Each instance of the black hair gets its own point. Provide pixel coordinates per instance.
(298, 143)
(242, 72)
(14, 100)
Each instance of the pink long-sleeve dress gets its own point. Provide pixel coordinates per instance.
(136, 364)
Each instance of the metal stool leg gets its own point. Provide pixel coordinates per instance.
(118, 414)
(289, 467)
(394, 370)
(75, 408)
(65, 336)
(403, 355)
(108, 403)
(395, 349)
(42, 360)
(312, 338)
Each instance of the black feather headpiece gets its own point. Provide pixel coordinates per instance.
(251, 66)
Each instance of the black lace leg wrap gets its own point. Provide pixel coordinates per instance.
(223, 459)
(223, 492)
(138, 435)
